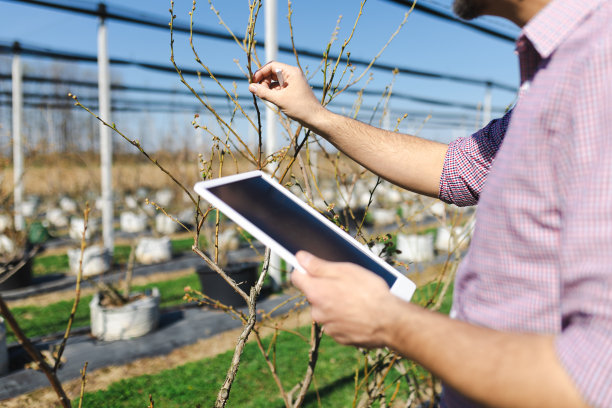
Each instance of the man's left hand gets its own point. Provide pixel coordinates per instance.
(353, 304)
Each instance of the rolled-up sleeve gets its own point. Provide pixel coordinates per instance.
(468, 161)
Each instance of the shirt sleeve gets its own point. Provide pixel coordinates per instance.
(584, 169)
(468, 161)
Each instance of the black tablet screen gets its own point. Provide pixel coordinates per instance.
(291, 226)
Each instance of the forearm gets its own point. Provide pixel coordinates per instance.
(405, 160)
(494, 368)
(408, 161)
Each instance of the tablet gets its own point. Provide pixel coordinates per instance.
(283, 222)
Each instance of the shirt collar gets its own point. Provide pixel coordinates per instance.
(555, 22)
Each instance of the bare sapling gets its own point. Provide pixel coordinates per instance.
(322, 176)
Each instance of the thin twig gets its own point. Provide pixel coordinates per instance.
(224, 392)
(77, 291)
(34, 354)
(137, 145)
(127, 283)
(313, 355)
(222, 273)
(83, 382)
(272, 369)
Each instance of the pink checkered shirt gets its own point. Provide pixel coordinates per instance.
(540, 260)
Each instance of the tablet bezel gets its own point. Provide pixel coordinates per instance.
(402, 287)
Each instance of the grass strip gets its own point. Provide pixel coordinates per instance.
(197, 383)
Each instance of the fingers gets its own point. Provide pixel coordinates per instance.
(268, 71)
(315, 266)
(266, 79)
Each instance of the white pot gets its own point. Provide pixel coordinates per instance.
(68, 204)
(57, 218)
(165, 225)
(153, 250)
(131, 222)
(29, 208)
(4, 357)
(383, 216)
(78, 224)
(5, 222)
(131, 202)
(163, 197)
(96, 260)
(415, 248)
(7, 246)
(437, 209)
(132, 320)
(449, 239)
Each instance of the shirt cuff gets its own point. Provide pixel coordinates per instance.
(452, 186)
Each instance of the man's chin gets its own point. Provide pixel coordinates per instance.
(468, 9)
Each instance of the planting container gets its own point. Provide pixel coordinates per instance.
(415, 248)
(214, 286)
(96, 260)
(134, 319)
(4, 357)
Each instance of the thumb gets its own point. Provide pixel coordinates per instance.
(261, 91)
(313, 265)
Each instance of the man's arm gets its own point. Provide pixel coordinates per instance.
(491, 367)
(407, 161)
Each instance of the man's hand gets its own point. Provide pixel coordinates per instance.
(353, 304)
(295, 99)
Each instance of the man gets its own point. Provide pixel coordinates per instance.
(533, 297)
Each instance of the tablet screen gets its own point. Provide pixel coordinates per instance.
(292, 226)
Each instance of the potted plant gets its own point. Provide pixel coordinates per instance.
(16, 254)
(243, 272)
(4, 357)
(122, 314)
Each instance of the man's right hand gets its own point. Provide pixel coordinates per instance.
(295, 99)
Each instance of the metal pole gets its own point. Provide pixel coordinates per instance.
(271, 46)
(271, 54)
(106, 145)
(486, 110)
(17, 110)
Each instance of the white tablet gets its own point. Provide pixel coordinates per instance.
(280, 220)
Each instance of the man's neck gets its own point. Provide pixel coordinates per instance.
(517, 11)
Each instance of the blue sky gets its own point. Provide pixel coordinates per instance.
(425, 43)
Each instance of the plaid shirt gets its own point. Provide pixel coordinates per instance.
(540, 260)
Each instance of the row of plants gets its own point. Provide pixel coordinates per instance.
(59, 263)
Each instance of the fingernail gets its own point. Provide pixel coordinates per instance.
(253, 88)
(304, 258)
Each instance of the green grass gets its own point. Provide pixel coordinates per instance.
(184, 245)
(37, 321)
(48, 264)
(197, 383)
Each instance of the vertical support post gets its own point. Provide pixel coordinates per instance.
(486, 108)
(271, 46)
(17, 111)
(106, 141)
